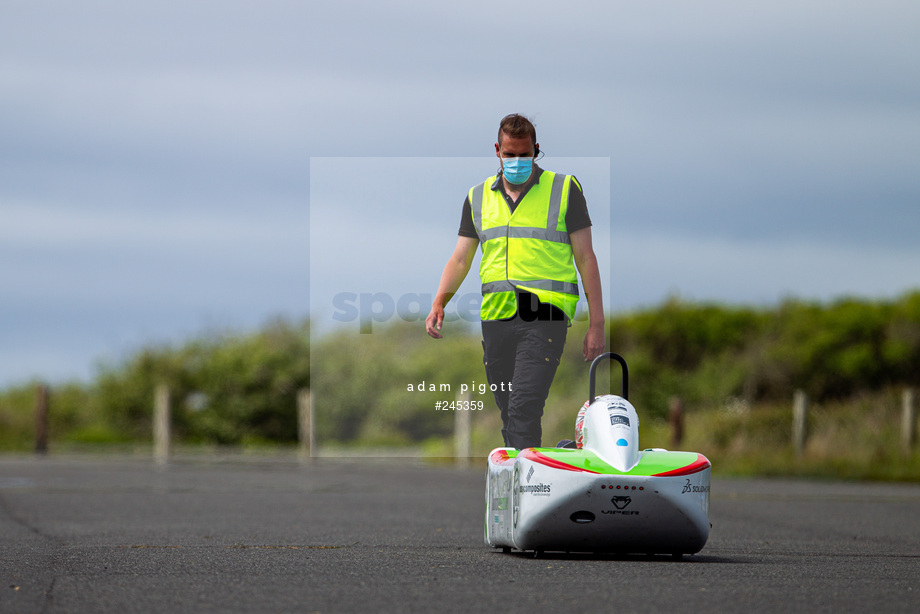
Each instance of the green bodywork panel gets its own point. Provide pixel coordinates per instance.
(650, 462)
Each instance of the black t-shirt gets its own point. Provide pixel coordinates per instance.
(576, 214)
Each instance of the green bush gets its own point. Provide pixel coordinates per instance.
(224, 389)
(238, 388)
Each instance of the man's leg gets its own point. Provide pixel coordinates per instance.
(498, 352)
(538, 351)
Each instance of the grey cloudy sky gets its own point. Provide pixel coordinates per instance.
(155, 157)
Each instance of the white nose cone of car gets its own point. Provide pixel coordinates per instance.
(610, 429)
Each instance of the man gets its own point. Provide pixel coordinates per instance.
(534, 230)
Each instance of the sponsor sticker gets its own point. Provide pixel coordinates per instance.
(694, 488)
(540, 489)
(621, 502)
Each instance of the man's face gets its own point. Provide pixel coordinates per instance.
(515, 147)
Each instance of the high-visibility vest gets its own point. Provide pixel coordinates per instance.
(525, 250)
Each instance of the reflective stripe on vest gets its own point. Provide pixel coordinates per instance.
(527, 250)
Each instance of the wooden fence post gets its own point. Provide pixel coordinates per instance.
(799, 421)
(676, 420)
(305, 426)
(41, 419)
(161, 425)
(462, 429)
(908, 421)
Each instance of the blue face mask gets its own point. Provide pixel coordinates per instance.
(517, 170)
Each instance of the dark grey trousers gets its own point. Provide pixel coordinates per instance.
(522, 357)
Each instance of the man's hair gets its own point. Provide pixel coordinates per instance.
(517, 126)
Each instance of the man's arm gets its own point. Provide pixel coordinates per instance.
(586, 262)
(458, 265)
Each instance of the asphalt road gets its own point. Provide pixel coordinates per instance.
(250, 535)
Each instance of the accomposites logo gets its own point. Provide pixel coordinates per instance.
(536, 489)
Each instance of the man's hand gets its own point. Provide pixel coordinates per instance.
(433, 322)
(586, 262)
(595, 342)
(458, 265)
